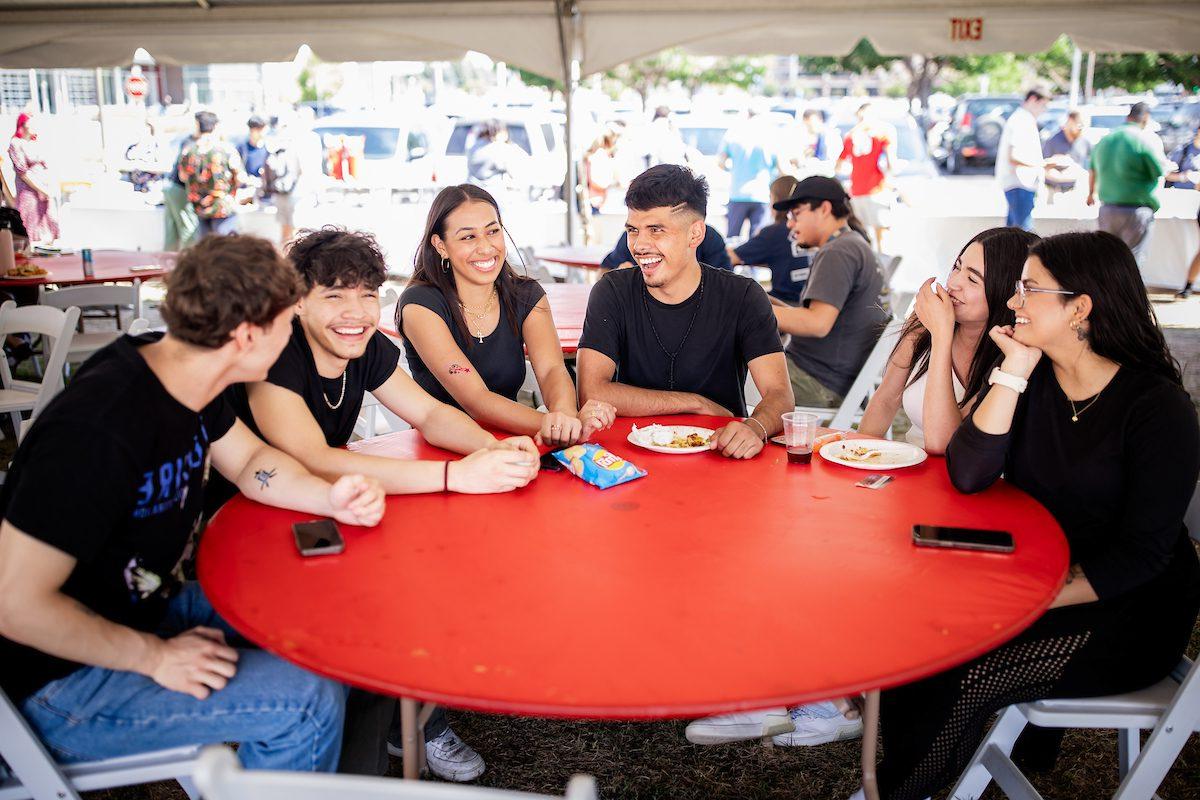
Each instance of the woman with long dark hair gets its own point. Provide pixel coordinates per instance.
(940, 364)
(468, 320)
(1088, 414)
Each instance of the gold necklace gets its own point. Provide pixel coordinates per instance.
(478, 316)
(1075, 414)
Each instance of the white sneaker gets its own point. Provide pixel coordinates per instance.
(448, 757)
(739, 727)
(819, 723)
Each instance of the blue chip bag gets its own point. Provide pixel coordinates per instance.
(597, 466)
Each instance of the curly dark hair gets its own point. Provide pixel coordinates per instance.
(334, 256)
(221, 282)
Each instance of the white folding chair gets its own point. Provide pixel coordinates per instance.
(57, 327)
(138, 326)
(36, 775)
(95, 296)
(869, 376)
(221, 777)
(534, 267)
(1170, 709)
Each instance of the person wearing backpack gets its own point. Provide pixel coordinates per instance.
(210, 170)
(280, 178)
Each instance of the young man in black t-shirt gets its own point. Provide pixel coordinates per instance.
(676, 336)
(308, 406)
(103, 648)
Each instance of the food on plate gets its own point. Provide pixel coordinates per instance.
(861, 453)
(827, 438)
(25, 267)
(661, 436)
(597, 466)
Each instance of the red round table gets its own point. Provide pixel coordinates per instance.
(710, 585)
(107, 265)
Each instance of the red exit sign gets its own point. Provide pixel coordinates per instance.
(966, 29)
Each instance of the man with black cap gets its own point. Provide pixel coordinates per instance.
(840, 315)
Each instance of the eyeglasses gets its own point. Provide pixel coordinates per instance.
(1024, 291)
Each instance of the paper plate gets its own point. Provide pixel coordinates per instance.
(644, 437)
(873, 454)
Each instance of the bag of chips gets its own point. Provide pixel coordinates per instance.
(597, 466)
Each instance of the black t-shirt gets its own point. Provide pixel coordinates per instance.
(734, 325)
(111, 473)
(296, 371)
(789, 262)
(499, 359)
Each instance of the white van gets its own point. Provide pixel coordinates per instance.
(539, 135)
(381, 153)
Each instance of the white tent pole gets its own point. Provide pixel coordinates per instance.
(1091, 77)
(1076, 61)
(570, 51)
(100, 109)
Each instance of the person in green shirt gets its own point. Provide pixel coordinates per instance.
(1127, 168)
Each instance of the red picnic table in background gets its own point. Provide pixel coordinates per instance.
(586, 256)
(107, 265)
(708, 586)
(568, 306)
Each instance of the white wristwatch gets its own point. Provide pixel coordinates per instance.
(1014, 382)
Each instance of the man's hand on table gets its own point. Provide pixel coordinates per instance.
(490, 471)
(356, 500)
(737, 439)
(196, 662)
(524, 444)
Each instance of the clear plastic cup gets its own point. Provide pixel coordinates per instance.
(799, 433)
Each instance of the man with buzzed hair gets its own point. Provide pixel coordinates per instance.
(675, 336)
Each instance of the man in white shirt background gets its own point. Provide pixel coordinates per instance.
(1020, 166)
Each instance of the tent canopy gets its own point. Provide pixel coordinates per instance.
(92, 33)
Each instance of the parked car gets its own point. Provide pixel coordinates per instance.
(538, 134)
(974, 131)
(1179, 125)
(373, 152)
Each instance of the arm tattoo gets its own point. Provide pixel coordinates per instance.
(458, 369)
(264, 477)
(1074, 573)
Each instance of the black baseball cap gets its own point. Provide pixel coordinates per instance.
(814, 187)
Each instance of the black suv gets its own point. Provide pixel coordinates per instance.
(974, 131)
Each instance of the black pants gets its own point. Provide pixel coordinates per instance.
(932, 728)
(370, 720)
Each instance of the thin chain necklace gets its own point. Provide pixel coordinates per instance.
(341, 397)
(478, 316)
(1075, 414)
(682, 342)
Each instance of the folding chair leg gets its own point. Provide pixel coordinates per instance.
(1011, 780)
(189, 787)
(1163, 746)
(1003, 736)
(1129, 742)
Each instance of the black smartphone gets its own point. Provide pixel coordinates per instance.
(963, 538)
(550, 463)
(318, 537)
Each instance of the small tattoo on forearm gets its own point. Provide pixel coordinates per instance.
(1074, 573)
(458, 369)
(264, 477)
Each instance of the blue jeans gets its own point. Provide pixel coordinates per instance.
(1020, 208)
(283, 717)
(738, 212)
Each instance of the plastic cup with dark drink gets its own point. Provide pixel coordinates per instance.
(85, 256)
(799, 433)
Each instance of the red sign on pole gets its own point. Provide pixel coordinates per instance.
(136, 86)
(966, 29)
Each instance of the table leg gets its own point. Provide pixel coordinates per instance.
(869, 741)
(411, 738)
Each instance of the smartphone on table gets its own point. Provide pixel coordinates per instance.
(318, 537)
(963, 538)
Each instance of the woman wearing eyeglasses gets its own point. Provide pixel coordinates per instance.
(1087, 413)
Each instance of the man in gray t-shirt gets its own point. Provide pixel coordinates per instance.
(840, 316)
